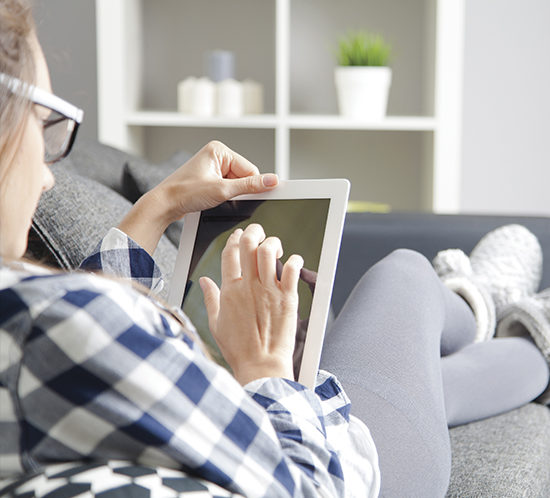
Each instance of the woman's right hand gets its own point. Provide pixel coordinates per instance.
(253, 316)
(212, 176)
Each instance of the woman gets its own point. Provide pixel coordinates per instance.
(120, 377)
(93, 369)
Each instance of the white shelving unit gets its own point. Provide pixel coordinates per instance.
(123, 121)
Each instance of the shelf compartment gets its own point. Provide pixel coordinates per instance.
(317, 25)
(385, 167)
(177, 35)
(257, 145)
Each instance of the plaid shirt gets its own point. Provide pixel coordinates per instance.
(90, 368)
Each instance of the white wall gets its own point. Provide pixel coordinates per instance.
(506, 127)
(66, 29)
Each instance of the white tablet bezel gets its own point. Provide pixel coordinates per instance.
(337, 191)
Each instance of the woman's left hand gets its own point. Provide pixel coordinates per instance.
(212, 176)
(253, 316)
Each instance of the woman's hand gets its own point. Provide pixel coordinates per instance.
(253, 316)
(212, 176)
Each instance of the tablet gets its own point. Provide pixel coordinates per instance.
(308, 217)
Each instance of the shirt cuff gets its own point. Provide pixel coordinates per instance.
(332, 405)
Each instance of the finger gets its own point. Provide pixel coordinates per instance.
(244, 176)
(268, 254)
(291, 273)
(250, 184)
(231, 263)
(236, 165)
(229, 163)
(211, 294)
(251, 238)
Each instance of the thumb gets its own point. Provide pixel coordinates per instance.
(211, 295)
(252, 184)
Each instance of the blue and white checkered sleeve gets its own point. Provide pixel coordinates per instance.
(298, 419)
(120, 256)
(351, 458)
(117, 386)
(350, 437)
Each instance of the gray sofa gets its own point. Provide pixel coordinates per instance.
(504, 456)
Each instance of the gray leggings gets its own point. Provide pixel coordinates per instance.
(402, 348)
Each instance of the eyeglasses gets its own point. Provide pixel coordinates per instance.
(61, 125)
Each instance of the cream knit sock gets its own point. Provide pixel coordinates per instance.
(503, 268)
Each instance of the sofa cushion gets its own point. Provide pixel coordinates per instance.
(100, 162)
(139, 177)
(74, 216)
(507, 455)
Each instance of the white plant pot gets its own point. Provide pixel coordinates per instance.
(363, 91)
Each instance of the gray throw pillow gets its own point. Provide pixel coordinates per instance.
(74, 216)
(139, 177)
(101, 162)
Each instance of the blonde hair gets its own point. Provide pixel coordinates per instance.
(16, 59)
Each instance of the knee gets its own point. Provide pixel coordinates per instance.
(408, 265)
(407, 257)
(405, 276)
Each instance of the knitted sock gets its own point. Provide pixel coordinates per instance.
(504, 267)
(530, 317)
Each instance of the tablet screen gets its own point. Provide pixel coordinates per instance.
(300, 225)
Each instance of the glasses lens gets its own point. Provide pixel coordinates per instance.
(58, 130)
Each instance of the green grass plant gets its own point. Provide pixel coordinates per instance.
(361, 48)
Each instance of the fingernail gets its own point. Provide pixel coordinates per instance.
(270, 180)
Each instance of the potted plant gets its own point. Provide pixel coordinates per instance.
(363, 77)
